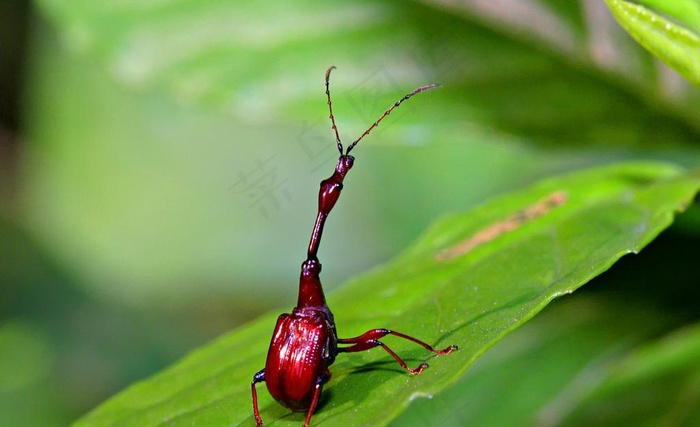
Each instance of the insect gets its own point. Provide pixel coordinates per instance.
(305, 343)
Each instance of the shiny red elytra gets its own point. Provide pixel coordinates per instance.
(305, 342)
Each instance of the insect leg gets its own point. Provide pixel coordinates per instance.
(317, 394)
(370, 339)
(257, 378)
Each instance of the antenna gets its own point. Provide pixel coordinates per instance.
(387, 112)
(330, 108)
(375, 124)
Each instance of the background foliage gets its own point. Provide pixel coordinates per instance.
(159, 169)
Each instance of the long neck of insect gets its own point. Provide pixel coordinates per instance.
(310, 289)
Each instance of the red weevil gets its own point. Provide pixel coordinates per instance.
(305, 342)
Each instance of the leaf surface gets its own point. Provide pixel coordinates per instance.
(674, 44)
(471, 279)
(589, 360)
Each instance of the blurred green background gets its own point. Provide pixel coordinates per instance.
(159, 163)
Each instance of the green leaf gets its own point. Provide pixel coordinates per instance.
(677, 46)
(560, 367)
(686, 12)
(470, 280)
(659, 382)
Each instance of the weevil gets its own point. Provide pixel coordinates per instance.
(305, 342)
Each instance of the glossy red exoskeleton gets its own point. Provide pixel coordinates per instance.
(305, 342)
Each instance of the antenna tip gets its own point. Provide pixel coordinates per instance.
(424, 88)
(328, 71)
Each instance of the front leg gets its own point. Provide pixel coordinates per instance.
(370, 339)
(257, 378)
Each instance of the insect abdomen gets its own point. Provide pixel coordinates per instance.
(298, 358)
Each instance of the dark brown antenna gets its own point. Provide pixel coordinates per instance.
(375, 124)
(330, 108)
